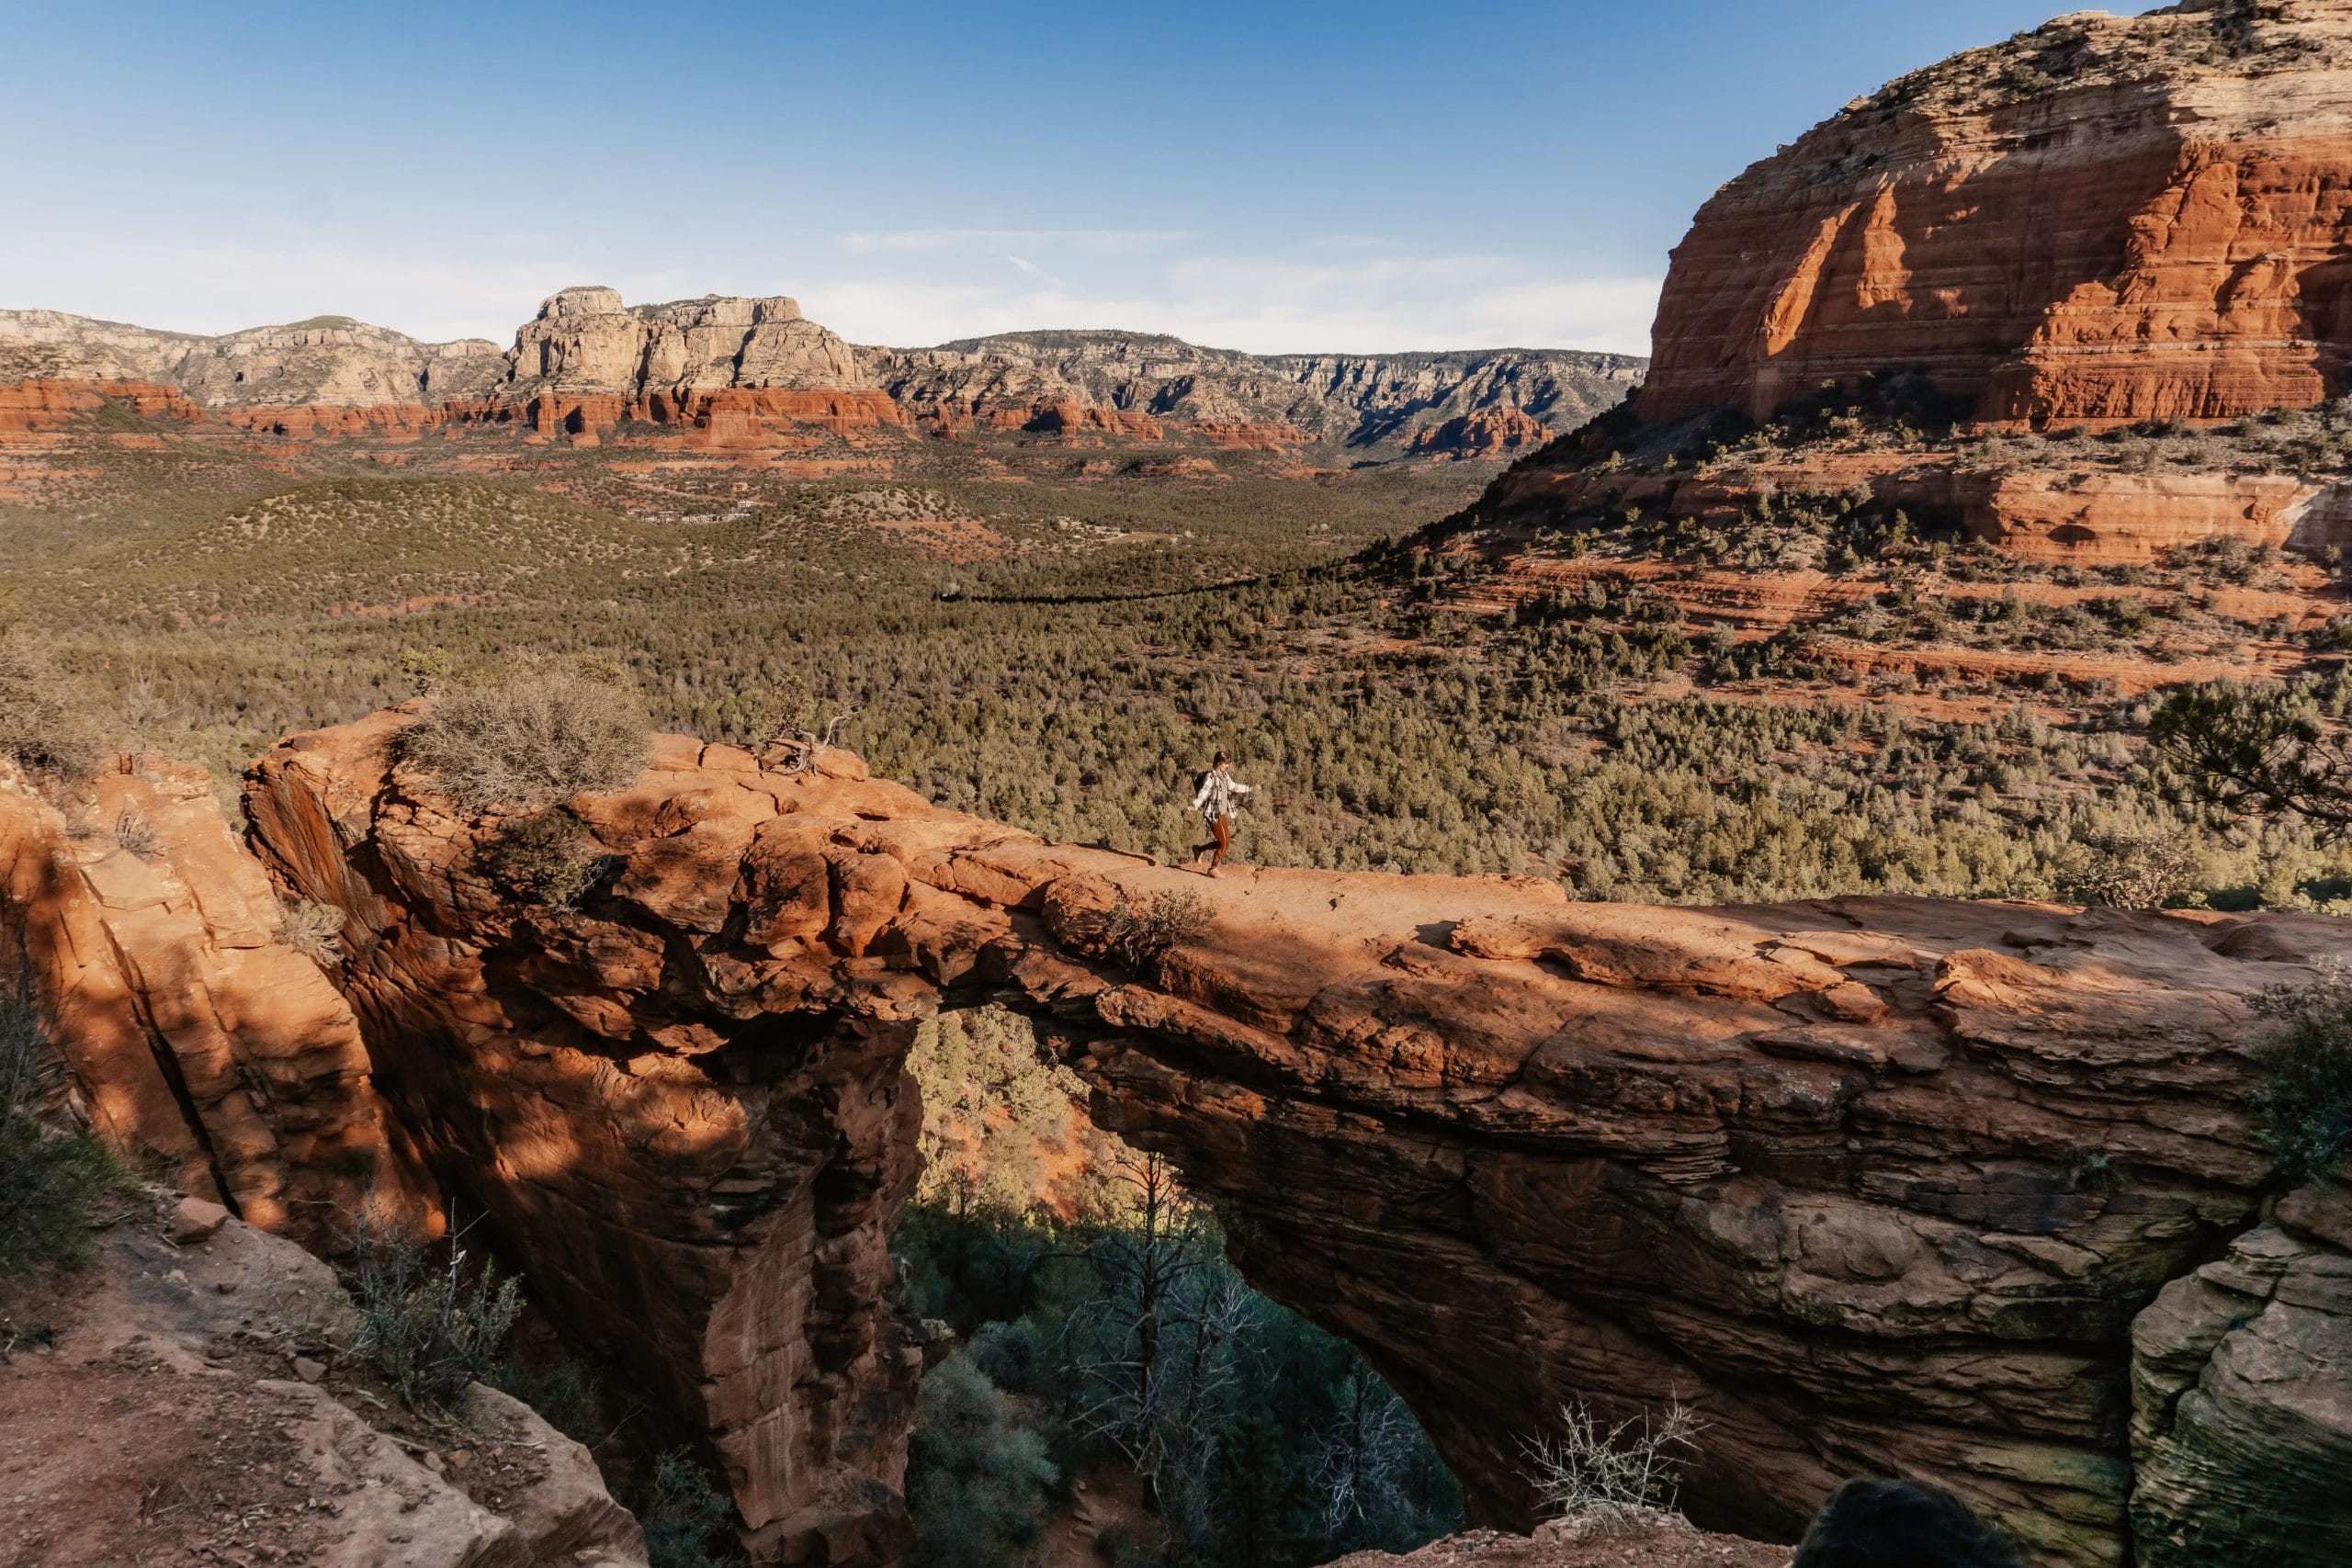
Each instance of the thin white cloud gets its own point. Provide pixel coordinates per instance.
(1033, 270)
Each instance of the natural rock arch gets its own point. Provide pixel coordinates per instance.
(1879, 1184)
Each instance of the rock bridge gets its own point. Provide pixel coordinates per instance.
(1961, 1190)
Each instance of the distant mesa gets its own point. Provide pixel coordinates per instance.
(2106, 219)
(737, 371)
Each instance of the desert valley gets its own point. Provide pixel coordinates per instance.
(613, 964)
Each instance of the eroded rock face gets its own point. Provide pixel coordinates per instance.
(585, 340)
(199, 1038)
(1958, 1191)
(1476, 399)
(1878, 1184)
(2242, 1397)
(2107, 218)
(330, 361)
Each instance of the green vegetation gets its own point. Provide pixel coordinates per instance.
(688, 1521)
(57, 1180)
(1002, 1127)
(546, 857)
(1131, 1344)
(2261, 750)
(429, 1323)
(979, 1476)
(1100, 1332)
(2302, 1100)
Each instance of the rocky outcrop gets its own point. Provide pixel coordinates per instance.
(195, 1405)
(198, 1037)
(703, 1188)
(1958, 1191)
(1365, 401)
(2242, 1396)
(734, 373)
(1479, 434)
(2107, 218)
(585, 340)
(329, 361)
(1879, 1184)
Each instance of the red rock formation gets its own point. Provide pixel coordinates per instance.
(1818, 1167)
(1066, 417)
(1878, 1184)
(31, 409)
(197, 1036)
(1481, 433)
(2110, 218)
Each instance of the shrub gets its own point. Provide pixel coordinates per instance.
(54, 1183)
(688, 1521)
(315, 931)
(134, 832)
(1607, 1480)
(976, 1477)
(1139, 933)
(547, 857)
(427, 1325)
(2128, 868)
(44, 727)
(525, 743)
(2303, 1096)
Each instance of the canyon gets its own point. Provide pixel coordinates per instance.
(1961, 1190)
(1968, 1191)
(744, 374)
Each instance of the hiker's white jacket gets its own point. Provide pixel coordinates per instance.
(1219, 791)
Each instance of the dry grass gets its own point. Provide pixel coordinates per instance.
(315, 931)
(1601, 1480)
(525, 743)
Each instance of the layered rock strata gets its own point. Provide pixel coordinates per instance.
(329, 361)
(199, 1038)
(1454, 403)
(1958, 1191)
(1878, 1184)
(2041, 512)
(734, 372)
(2108, 219)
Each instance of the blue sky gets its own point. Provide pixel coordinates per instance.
(1266, 176)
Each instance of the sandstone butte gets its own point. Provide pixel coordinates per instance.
(1964, 1190)
(725, 374)
(2108, 219)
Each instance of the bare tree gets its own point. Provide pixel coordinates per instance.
(1153, 1344)
(1361, 1458)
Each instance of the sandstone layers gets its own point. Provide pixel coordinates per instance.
(1879, 1184)
(736, 372)
(2107, 218)
(1453, 403)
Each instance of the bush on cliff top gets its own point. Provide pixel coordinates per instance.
(2302, 1101)
(526, 742)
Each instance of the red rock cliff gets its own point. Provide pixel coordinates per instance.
(1961, 1190)
(2108, 219)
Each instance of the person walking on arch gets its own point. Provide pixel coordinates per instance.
(1216, 800)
